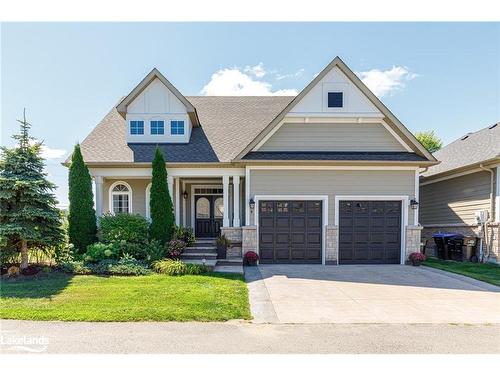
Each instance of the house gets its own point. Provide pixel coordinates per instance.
(324, 177)
(465, 182)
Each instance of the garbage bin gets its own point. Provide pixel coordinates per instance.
(446, 242)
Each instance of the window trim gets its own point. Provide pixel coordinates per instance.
(151, 127)
(111, 194)
(143, 127)
(183, 128)
(148, 199)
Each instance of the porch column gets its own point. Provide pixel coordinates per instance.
(236, 201)
(170, 182)
(98, 180)
(177, 203)
(225, 195)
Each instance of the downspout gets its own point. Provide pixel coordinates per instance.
(492, 204)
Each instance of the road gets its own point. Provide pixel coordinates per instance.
(238, 337)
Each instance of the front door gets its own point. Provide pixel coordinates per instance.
(209, 210)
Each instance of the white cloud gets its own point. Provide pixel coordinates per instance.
(257, 70)
(386, 82)
(298, 73)
(234, 81)
(52, 153)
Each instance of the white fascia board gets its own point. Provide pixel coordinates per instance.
(333, 167)
(173, 172)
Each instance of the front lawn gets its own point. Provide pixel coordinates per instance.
(210, 297)
(487, 272)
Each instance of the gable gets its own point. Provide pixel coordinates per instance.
(332, 137)
(316, 100)
(156, 98)
(360, 105)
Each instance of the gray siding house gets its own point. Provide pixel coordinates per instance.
(464, 183)
(325, 177)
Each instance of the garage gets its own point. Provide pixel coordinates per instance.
(290, 231)
(369, 232)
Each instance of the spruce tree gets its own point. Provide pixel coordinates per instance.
(28, 213)
(82, 226)
(162, 214)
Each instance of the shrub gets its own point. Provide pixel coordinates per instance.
(155, 250)
(173, 267)
(223, 241)
(184, 234)
(99, 251)
(123, 227)
(125, 267)
(64, 253)
(74, 267)
(135, 250)
(417, 257)
(175, 248)
(251, 258)
(13, 271)
(31, 270)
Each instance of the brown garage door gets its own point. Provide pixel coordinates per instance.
(290, 231)
(370, 232)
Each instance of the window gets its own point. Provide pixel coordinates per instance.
(335, 99)
(219, 208)
(157, 127)
(136, 127)
(120, 198)
(203, 208)
(177, 127)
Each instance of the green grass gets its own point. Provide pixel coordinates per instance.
(211, 297)
(487, 272)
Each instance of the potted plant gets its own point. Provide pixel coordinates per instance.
(251, 258)
(416, 258)
(222, 245)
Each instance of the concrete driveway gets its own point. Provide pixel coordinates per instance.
(368, 294)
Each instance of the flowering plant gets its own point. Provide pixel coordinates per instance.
(417, 258)
(175, 248)
(251, 258)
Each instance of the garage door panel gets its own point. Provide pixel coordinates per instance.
(292, 231)
(369, 232)
(298, 223)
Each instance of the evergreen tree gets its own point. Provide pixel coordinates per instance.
(162, 214)
(28, 213)
(82, 226)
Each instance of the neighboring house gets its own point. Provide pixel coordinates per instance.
(323, 177)
(465, 182)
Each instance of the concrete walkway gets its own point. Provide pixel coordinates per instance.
(245, 338)
(369, 294)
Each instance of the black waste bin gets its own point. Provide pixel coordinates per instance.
(449, 245)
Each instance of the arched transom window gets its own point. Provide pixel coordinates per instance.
(120, 198)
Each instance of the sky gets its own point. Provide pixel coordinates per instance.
(433, 76)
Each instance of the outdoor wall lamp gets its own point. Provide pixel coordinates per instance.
(252, 204)
(414, 204)
(185, 194)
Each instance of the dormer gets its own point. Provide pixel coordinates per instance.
(156, 112)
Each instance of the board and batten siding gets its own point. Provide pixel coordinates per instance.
(332, 183)
(332, 137)
(455, 201)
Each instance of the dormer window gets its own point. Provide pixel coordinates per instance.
(136, 127)
(157, 127)
(177, 127)
(335, 99)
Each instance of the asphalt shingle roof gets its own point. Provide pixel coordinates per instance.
(228, 124)
(366, 156)
(469, 149)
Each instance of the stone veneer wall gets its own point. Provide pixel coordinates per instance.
(413, 240)
(234, 234)
(466, 230)
(249, 238)
(331, 248)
